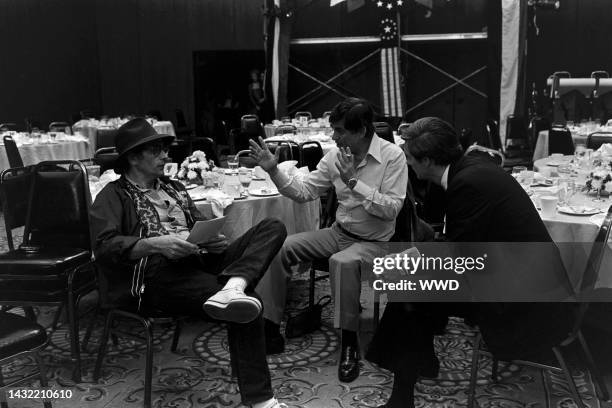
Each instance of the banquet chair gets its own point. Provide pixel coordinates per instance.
(517, 149)
(492, 134)
(600, 74)
(284, 129)
(7, 126)
(384, 131)
(587, 289)
(300, 114)
(12, 152)
(105, 158)
(311, 154)
(536, 125)
(561, 74)
(466, 138)
(53, 265)
(20, 337)
(105, 138)
(62, 127)
(250, 128)
(560, 141)
(494, 156)
(596, 139)
(147, 319)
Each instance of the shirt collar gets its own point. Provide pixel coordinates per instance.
(444, 180)
(374, 149)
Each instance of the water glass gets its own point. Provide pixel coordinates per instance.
(245, 176)
(232, 164)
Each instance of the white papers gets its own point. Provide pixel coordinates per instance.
(204, 231)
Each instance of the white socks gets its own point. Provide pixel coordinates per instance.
(236, 282)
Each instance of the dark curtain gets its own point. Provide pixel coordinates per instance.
(493, 57)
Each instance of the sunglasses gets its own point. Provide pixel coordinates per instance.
(157, 148)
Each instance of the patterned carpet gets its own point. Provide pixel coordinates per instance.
(198, 375)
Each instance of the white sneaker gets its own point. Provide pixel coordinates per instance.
(232, 305)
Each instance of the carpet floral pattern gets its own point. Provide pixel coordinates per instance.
(198, 375)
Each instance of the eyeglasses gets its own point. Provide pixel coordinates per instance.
(157, 148)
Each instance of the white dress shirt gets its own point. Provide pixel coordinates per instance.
(370, 209)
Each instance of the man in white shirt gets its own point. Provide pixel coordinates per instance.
(369, 176)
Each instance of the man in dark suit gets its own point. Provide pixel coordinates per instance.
(483, 204)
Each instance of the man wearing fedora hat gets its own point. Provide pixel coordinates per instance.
(140, 223)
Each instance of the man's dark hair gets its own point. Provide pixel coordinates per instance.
(357, 114)
(433, 138)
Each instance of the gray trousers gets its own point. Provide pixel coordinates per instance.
(347, 257)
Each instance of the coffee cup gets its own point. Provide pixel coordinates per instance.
(549, 205)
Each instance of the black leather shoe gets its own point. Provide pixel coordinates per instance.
(348, 369)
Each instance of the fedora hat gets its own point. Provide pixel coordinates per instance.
(135, 133)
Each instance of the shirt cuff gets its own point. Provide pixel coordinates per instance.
(281, 180)
(362, 188)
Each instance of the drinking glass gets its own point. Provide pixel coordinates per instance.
(516, 172)
(570, 190)
(218, 177)
(245, 176)
(232, 164)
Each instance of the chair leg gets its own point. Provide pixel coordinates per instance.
(57, 316)
(474, 373)
(103, 344)
(568, 377)
(73, 323)
(149, 363)
(602, 390)
(494, 369)
(311, 287)
(177, 334)
(90, 327)
(43, 376)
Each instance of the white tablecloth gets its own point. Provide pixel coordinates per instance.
(244, 214)
(63, 150)
(577, 229)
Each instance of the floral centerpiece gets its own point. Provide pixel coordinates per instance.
(196, 169)
(600, 181)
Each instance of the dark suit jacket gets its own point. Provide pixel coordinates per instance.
(486, 204)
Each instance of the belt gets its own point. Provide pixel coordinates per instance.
(354, 236)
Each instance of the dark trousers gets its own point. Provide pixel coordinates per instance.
(181, 287)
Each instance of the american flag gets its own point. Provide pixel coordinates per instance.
(391, 94)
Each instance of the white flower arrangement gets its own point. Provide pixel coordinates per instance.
(600, 181)
(194, 167)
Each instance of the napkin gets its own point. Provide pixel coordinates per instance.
(218, 200)
(605, 149)
(96, 185)
(288, 167)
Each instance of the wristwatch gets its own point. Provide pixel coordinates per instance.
(352, 183)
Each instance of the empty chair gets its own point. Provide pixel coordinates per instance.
(12, 152)
(492, 134)
(105, 138)
(9, 126)
(284, 129)
(561, 74)
(250, 128)
(20, 336)
(518, 146)
(384, 131)
(491, 155)
(536, 125)
(63, 127)
(105, 158)
(302, 114)
(54, 263)
(560, 141)
(596, 139)
(600, 74)
(311, 154)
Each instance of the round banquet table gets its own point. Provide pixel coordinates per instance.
(241, 215)
(575, 234)
(61, 150)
